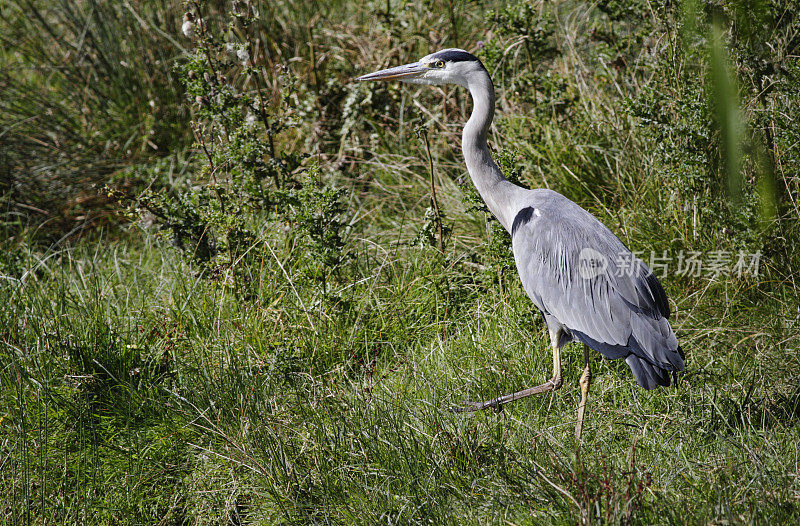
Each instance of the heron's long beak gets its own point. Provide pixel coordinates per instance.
(407, 71)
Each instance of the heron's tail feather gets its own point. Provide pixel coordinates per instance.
(648, 375)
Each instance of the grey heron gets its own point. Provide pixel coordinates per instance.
(588, 285)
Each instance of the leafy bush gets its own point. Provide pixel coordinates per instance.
(247, 177)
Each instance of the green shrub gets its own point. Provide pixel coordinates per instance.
(249, 183)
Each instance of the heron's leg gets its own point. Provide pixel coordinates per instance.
(550, 385)
(586, 379)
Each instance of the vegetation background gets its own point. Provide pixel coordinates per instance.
(228, 294)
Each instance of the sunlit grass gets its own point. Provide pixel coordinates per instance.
(131, 387)
(136, 389)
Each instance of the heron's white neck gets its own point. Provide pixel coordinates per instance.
(497, 192)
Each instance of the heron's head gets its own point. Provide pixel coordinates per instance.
(449, 66)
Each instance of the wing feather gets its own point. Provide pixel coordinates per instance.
(581, 275)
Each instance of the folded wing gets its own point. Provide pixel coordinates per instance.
(584, 278)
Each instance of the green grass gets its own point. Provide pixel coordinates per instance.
(136, 387)
(131, 389)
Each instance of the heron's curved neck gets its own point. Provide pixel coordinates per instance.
(497, 192)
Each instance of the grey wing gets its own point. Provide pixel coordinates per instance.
(583, 277)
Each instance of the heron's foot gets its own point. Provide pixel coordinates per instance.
(586, 380)
(497, 403)
(470, 407)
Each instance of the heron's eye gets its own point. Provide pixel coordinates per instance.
(438, 64)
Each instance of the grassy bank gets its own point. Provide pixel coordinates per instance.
(135, 390)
